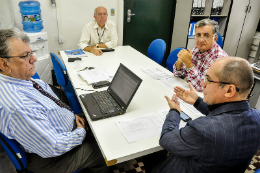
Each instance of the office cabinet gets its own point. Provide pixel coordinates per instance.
(242, 25)
(183, 18)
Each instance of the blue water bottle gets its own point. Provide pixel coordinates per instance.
(31, 16)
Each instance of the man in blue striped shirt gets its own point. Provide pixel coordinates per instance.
(51, 135)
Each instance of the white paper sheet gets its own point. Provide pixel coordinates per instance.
(141, 128)
(94, 75)
(171, 82)
(155, 73)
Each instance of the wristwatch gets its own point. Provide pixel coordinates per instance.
(188, 69)
(97, 45)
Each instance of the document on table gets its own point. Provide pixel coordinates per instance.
(155, 73)
(141, 128)
(94, 75)
(171, 82)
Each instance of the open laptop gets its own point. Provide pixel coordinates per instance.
(120, 93)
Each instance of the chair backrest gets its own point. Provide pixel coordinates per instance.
(14, 152)
(172, 58)
(156, 50)
(220, 40)
(60, 70)
(36, 76)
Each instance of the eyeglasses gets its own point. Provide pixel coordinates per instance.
(100, 14)
(205, 37)
(224, 83)
(28, 56)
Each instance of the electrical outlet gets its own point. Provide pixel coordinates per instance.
(60, 39)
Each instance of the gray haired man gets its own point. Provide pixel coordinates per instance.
(193, 64)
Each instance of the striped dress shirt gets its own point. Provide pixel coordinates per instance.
(224, 141)
(36, 121)
(201, 63)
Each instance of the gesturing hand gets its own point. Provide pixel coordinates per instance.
(174, 102)
(189, 96)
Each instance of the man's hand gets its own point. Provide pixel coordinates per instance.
(81, 122)
(96, 51)
(184, 56)
(189, 96)
(174, 102)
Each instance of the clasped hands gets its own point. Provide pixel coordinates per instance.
(81, 122)
(184, 56)
(96, 51)
(188, 96)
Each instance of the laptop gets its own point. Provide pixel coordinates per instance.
(116, 99)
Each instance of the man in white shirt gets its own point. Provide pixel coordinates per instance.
(99, 33)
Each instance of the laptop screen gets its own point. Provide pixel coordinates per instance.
(124, 84)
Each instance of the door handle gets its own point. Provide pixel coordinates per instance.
(129, 15)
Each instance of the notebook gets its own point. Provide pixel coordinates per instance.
(120, 93)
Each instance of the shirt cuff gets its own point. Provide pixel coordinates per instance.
(197, 102)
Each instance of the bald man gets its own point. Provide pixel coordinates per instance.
(226, 139)
(99, 33)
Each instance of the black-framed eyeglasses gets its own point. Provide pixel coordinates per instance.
(225, 83)
(28, 56)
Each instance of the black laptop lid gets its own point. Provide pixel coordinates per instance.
(124, 86)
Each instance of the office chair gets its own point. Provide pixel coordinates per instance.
(64, 82)
(16, 154)
(257, 171)
(173, 58)
(220, 40)
(156, 50)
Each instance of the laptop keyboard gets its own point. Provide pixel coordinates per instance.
(105, 102)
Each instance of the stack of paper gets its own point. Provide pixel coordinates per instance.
(75, 53)
(94, 75)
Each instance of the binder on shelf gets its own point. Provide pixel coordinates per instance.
(203, 4)
(75, 53)
(192, 29)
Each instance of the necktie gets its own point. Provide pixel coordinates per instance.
(58, 102)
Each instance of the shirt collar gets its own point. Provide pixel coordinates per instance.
(96, 25)
(15, 81)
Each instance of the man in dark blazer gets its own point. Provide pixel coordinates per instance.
(226, 139)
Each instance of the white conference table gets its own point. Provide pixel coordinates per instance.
(148, 99)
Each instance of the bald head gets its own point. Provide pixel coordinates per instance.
(96, 9)
(236, 71)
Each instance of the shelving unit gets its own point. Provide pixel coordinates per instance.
(183, 18)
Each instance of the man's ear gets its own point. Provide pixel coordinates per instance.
(216, 38)
(4, 64)
(230, 91)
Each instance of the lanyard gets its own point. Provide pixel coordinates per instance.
(101, 35)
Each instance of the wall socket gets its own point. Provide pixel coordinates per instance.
(60, 39)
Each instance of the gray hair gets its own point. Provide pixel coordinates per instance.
(95, 11)
(204, 22)
(6, 35)
(237, 71)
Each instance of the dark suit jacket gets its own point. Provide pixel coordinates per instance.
(223, 141)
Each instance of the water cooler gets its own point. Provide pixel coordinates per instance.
(43, 65)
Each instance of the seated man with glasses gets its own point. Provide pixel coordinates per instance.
(192, 65)
(99, 33)
(52, 136)
(227, 137)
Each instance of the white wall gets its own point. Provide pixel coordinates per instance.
(72, 15)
